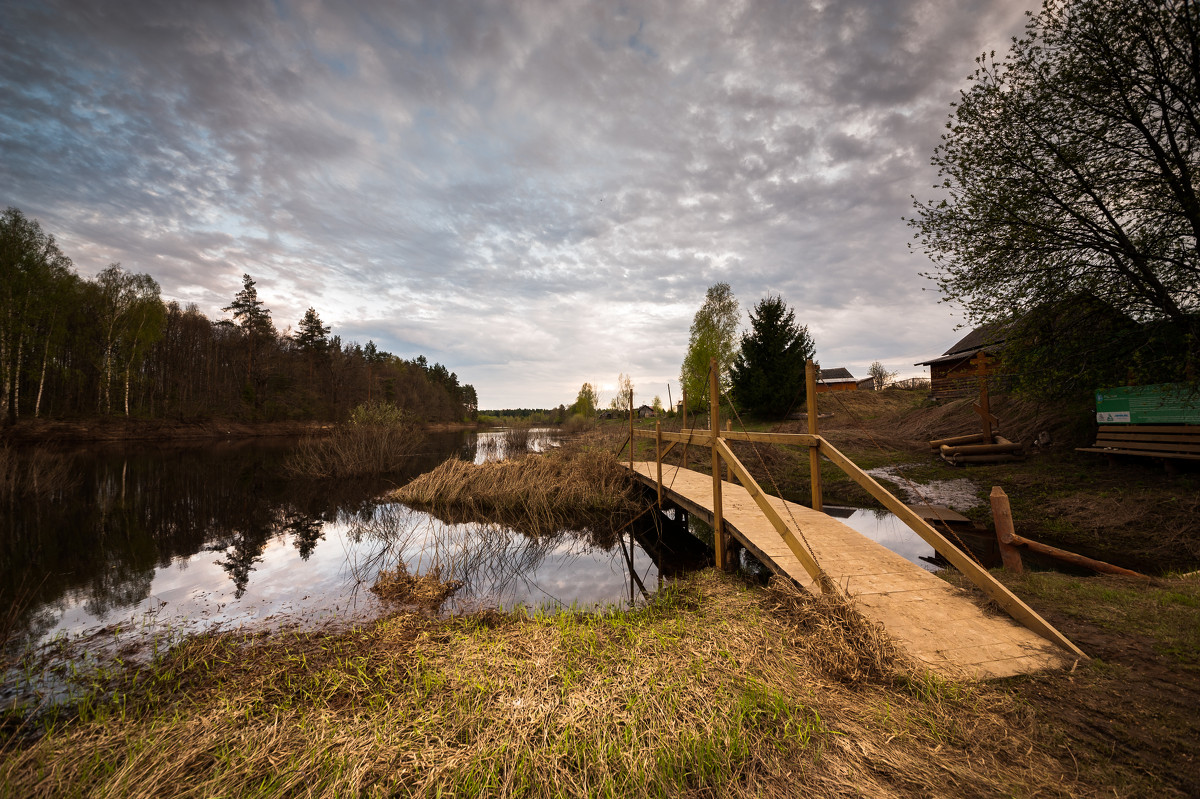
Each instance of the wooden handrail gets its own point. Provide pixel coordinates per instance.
(703, 437)
(976, 573)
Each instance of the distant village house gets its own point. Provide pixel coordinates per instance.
(954, 375)
(838, 379)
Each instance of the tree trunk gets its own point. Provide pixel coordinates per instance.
(37, 406)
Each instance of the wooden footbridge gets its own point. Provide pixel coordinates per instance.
(941, 626)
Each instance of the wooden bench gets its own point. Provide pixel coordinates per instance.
(1148, 440)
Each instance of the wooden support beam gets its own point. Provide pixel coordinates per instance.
(814, 457)
(701, 438)
(751, 485)
(793, 439)
(974, 572)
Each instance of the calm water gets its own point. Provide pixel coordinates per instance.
(165, 540)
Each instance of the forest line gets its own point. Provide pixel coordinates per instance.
(76, 347)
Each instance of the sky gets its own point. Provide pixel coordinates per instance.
(534, 194)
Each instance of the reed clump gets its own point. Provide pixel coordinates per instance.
(536, 493)
(693, 694)
(377, 439)
(34, 473)
(427, 590)
(517, 440)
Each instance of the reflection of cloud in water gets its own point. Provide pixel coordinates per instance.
(497, 566)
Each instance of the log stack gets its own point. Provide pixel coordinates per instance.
(975, 449)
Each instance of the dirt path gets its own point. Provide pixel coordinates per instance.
(1130, 720)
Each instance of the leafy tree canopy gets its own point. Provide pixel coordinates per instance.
(1069, 172)
(586, 401)
(768, 372)
(711, 337)
(622, 400)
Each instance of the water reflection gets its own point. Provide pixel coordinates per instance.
(187, 537)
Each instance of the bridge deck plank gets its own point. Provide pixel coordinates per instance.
(939, 625)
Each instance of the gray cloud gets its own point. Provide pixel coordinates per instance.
(536, 194)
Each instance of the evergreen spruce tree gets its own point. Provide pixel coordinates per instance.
(768, 372)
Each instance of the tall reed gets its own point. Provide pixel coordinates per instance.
(535, 493)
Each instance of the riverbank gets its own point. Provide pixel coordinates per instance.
(713, 687)
(33, 431)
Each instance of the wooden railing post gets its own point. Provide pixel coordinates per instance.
(683, 426)
(814, 451)
(658, 456)
(728, 469)
(714, 418)
(631, 430)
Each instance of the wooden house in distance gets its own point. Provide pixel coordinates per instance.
(838, 379)
(953, 375)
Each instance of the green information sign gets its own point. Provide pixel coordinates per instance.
(1168, 403)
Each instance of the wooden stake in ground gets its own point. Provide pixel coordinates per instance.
(1002, 516)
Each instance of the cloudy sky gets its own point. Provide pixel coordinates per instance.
(535, 194)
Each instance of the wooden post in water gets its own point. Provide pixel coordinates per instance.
(714, 418)
(658, 456)
(631, 439)
(814, 452)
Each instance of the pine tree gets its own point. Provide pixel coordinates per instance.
(249, 314)
(768, 372)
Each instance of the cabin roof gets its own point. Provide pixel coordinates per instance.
(839, 374)
(984, 337)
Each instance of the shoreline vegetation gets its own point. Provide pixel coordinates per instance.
(712, 687)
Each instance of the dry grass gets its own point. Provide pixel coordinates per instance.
(701, 692)
(34, 472)
(541, 494)
(428, 590)
(840, 641)
(354, 451)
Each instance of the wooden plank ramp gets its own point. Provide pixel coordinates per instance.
(939, 625)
